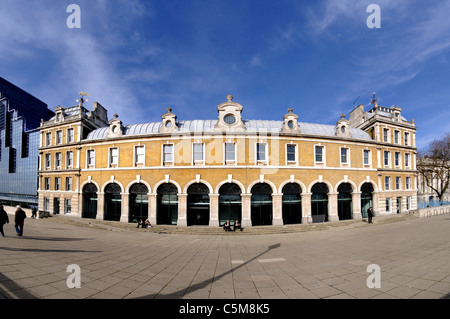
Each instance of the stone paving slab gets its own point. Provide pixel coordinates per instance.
(119, 262)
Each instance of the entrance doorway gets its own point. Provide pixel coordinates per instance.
(113, 202)
(261, 204)
(319, 203)
(167, 205)
(345, 201)
(198, 205)
(89, 201)
(366, 198)
(230, 204)
(292, 204)
(138, 203)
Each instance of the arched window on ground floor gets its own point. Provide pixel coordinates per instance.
(113, 202)
(319, 202)
(167, 204)
(345, 201)
(230, 203)
(292, 204)
(261, 204)
(138, 203)
(366, 198)
(89, 201)
(198, 204)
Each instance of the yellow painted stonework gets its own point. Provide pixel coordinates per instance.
(214, 171)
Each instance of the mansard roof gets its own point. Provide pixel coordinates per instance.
(252, 126)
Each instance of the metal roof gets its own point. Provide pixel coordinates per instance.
(208, 126)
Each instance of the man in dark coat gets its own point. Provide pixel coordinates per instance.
(370, 214)
(19, 220)
(3, 220)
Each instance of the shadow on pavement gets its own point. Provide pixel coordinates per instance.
(179, 294)
(10, 290)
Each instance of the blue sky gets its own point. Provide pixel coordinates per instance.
(139, 57)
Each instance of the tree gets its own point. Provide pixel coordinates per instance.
(433, 165)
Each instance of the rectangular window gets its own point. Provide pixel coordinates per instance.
(406, 139)
(168, 153)
(48, 161)
(57, 183)
(230, 152)
(58, 160)
(46, 204)
(387, 183)
(58, 137)
(67, 206)
(291, 153)
(396, 137)
(319, 154)
(91, 157)
(68, 183)
(398, 180)
(114, 156)
(69, 159)
(197, 149)
(388, 205)
(386, 158)
(407, 160)
(48, 139)
(397, 158)
(408, 202)
(385, 135)
(408, 182)
(261, 152)
(139, 155)
(70, 135)
(47, 183)
(366, 157)
(344, 155)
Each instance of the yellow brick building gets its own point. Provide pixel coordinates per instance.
(205, 172)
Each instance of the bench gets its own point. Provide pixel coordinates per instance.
(43, 214)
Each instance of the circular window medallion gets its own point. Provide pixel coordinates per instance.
(169, 124)
(290, 124)
(229, 119)
(115, 129)
(343, 129)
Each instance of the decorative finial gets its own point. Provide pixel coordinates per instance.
(169, 109)
(81, 100)
(342, 116)
(115, 115)
(290, 110)
(229, 97)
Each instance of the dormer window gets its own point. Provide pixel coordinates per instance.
(169, 123)
(290, 123)
(229, 116)
(229, 119)
(58, 117)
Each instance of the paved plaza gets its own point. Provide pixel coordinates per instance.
(413, 255)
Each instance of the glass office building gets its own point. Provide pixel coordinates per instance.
(20, 117)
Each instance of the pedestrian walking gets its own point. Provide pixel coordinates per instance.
(3, 220)
(370, 214)
(19, 220)
(33, 212)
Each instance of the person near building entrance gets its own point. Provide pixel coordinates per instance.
(227, 226)
(3, 220)
(33, 212)
(19, 220)
(370, 214)
(237, 225)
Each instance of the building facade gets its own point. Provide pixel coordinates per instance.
(20, 117)
(205, 172)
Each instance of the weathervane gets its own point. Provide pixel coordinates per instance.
(81, 100)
